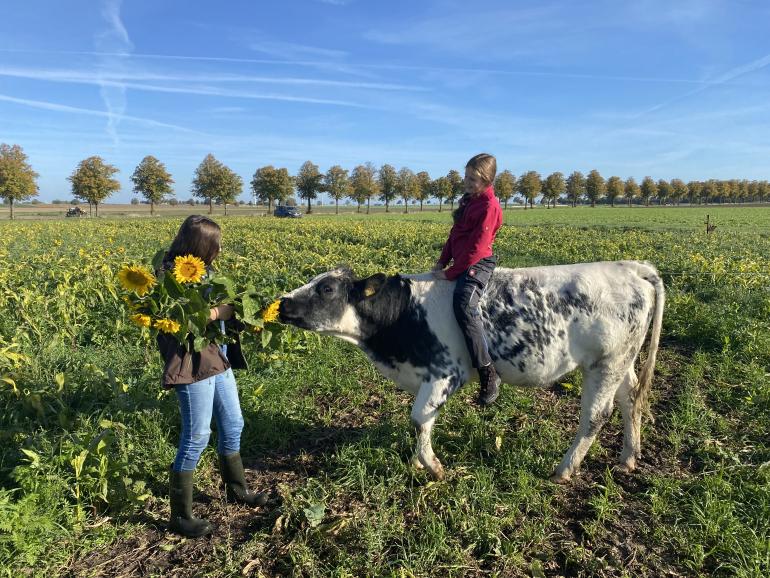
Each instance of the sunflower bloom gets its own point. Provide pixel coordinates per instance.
(141, 319)
(136, 278)
(189, 269)
(166, 325)
(271, 313)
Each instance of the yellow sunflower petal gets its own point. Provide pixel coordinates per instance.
(270, 314)
(141, 320)
(136, 278)
(189, 269)
(166, 325)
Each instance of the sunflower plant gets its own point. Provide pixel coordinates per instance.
(178, 301)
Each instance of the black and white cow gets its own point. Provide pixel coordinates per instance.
(541, 323)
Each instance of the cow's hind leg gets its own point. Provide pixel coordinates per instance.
(424, 412)
(599, 386)
(632, 421)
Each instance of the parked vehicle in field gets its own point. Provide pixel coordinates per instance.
(75, 212)
(287, 211)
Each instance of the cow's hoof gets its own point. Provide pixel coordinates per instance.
(560, 479)
(416, 463)
(436, 470)
(628, 465)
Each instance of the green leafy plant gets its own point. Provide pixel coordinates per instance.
(178, 302)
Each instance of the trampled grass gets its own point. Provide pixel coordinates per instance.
(87, 434)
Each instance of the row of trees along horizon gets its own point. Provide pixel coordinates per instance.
(93, 181)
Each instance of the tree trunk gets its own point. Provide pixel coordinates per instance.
(211, 205)
(368, 202)
(11, 203)
(90, 212)
(406, 206)
(309, 206)
(225, 209)
(358, 210)
(387, 206)
(336, 206)
(421, 205)
(440, 203)
(96, 209)
(152, 208)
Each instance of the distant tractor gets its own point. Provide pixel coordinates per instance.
(75, 212)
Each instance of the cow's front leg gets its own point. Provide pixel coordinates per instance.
(431, 396)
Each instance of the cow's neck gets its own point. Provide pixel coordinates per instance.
(395, 328)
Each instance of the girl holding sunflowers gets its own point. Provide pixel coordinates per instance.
(204, 385)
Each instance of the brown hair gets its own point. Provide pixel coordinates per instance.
(199, 236)
(485, 166)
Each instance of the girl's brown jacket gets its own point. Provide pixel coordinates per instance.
(182, 367)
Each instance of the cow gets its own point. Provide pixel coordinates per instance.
(540, 323)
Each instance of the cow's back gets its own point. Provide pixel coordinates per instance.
(542, 322)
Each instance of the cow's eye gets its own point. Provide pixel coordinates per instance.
(327, 289)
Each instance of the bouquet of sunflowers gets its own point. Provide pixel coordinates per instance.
(178, 301)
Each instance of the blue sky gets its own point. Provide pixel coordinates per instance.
(677, 88)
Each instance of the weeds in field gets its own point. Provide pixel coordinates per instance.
(87, 433)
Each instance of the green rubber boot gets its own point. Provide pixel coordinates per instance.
(182, 520)
(236, 490)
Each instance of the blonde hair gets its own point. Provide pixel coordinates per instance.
(485, 166)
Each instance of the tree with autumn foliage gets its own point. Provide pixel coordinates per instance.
(18, 182)
(364, 185)
(648, 190)
(309, 182)
(553, 188)
(441, 189)
(214, 181)
(387, 180)
(529, 187)
(595, 187)
(456, 182)
(576, 186)
(614, 189)
(423, 189)
(505, 187)
(337, 184)
(631, 190)
(271, 184)
(152, 181)
(92, 181)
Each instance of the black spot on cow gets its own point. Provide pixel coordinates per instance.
(395, 328)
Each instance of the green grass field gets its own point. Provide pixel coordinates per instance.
(86, 434)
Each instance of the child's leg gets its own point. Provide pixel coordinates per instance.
(466, 308)
(195, 406)
(468, 290)
(227, 413)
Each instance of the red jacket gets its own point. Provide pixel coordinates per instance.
(471, 238)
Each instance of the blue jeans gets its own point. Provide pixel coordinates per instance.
(217, 395)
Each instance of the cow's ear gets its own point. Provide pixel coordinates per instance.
(370, 286)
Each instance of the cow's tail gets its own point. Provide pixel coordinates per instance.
(641, 401)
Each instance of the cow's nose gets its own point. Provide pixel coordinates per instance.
(286, 308)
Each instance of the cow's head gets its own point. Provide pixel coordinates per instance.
(335, 303)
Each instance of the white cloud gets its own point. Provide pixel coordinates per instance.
(113, 39)
(40, 104)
